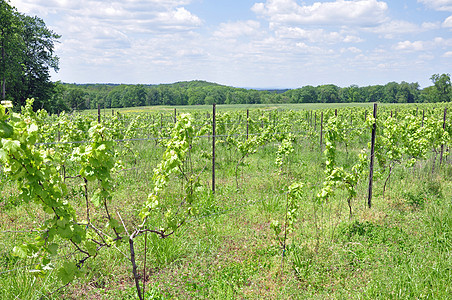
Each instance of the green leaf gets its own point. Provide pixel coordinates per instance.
(96, 199)
(3, 155)
(61, 222)
(91, 247)
(65, 233)
(20, 251)
(6, 130)
(10, 145)
(53, 248)
(67, 272)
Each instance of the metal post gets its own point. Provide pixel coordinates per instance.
(444, 128)
(247, 124)
(321, 130)
(213, 148)
(372, 156)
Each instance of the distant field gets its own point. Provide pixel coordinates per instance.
(234, 107)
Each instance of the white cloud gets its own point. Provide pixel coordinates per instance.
(448, 22)
(353, 50)
(442, 5)
(435, 44)
(340, 12)
(441, 42)
(431, 25)
(318, 35)
(237, 29)
(136, 14)
(179, 17)
(396, 28)
(410, 46)
(352, 39)
(447, 54)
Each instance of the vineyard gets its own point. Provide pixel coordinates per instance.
(353, 202)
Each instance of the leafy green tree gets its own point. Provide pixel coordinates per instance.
(9, 39)
(407, 92)
(374, 93)
(27, 48)
(390, 92)
(58, 100)
(76, 98)
(350, 94)
(443, 87)
(328, 93)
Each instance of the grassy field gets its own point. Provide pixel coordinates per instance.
(398, 249)
(233, 107)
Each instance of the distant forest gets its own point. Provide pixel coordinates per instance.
(88, 96)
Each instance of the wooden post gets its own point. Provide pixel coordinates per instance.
(208, 136)
(247, 123)
(315, 121)
(321, 130)
(372, 156)
(98, 113)
(442, 146)
(175, 116)
(112, 112)
(213, 148)
(423, 114)
(335, 112)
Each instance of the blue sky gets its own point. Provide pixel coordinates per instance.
(244, 43)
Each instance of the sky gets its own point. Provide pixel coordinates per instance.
(245, 43)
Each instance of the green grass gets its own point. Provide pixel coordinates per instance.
(399, 249)
(230, 107)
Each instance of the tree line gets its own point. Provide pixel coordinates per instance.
(27, 56)
(88, 96)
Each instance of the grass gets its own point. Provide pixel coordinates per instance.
(399, 249)
(230, 107)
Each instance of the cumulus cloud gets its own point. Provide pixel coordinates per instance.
(318, 35)
(237, 29)
(340, 12)
(436, 43)
(410, 46)
(353, 50)
(442, 5)
(178, 18)
(396, 28)
(134, 14)
(431, 25)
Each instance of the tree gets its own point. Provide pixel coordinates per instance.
(27, 48)
(8, 42)
(76, 98)
(443, 87)
(328, 93)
